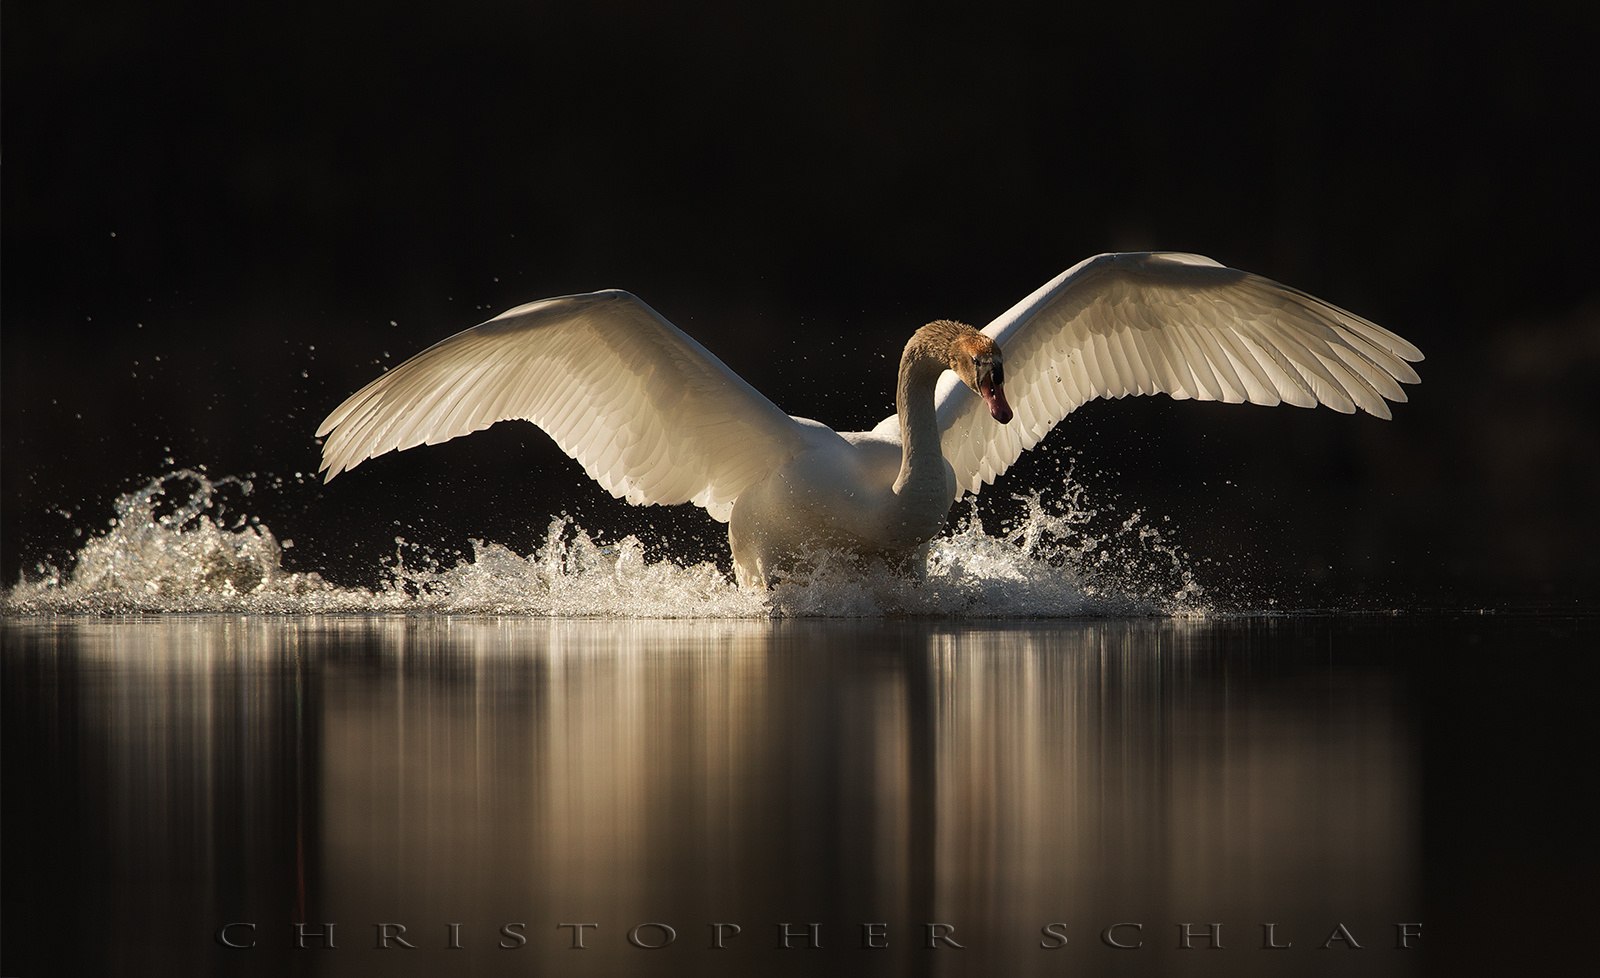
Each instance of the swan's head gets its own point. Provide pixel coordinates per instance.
(976, 359)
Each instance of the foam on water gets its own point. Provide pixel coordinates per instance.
(177, 544)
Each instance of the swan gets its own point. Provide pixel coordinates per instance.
(655, 418)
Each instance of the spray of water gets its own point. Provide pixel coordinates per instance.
(182, 543)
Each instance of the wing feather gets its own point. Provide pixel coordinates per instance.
(648, 412)
(1233, 389)
(1258, 387)
(1162, 322)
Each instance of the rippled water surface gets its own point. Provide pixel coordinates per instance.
(1020, 783)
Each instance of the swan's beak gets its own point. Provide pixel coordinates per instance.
(993, 393)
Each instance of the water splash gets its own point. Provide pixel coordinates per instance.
(183, 543)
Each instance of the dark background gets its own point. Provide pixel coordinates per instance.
(220, 219)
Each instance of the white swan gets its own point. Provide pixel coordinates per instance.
(654, 417)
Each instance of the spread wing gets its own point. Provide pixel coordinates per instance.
(1183, 325)
(648, 412)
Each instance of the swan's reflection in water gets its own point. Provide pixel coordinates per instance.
(428, 772)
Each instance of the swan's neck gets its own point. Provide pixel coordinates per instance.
(922, 468)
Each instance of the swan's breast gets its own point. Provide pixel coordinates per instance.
(838, 494)
(835, 484)
(831, 495)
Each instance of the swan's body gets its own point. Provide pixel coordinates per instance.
(656, 418)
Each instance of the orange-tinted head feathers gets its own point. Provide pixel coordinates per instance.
(977, 360)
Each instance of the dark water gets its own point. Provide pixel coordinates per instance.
(1332, 776)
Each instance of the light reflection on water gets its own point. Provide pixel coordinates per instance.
(192, 771)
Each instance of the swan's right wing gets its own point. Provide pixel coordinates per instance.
(1162, 322)
(648, 412)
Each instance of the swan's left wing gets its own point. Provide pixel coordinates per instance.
(648, 412)
(1183, 325)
